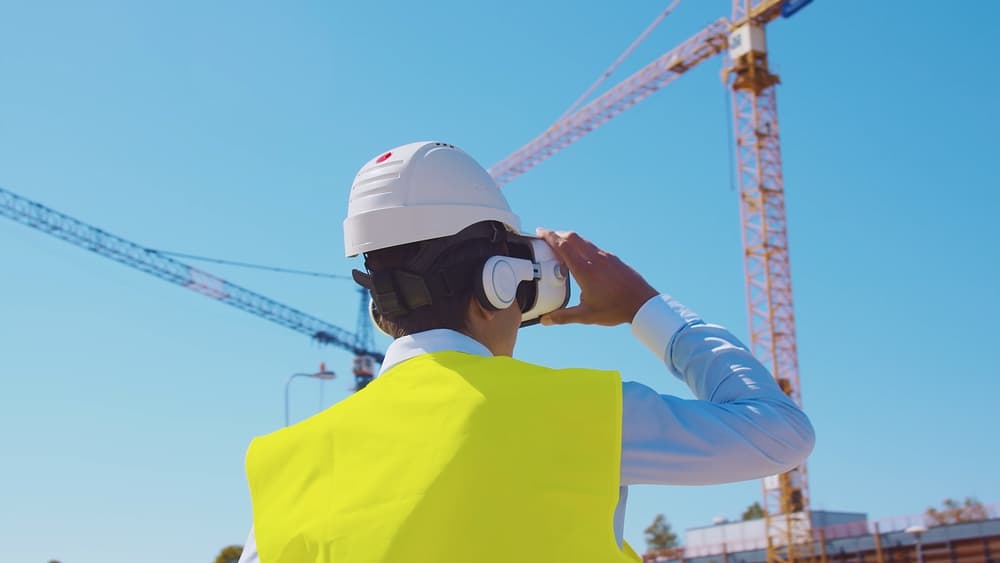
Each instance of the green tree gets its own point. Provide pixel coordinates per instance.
(754, 512)
(659, 535)
(953, 512)
(229, 554)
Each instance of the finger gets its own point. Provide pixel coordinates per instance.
(564, 248)
(579, 244)
(587, 252)
(556, 243)
(577, 314)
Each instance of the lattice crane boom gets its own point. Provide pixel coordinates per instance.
(699, 47)
(38, 216)
(710, 41)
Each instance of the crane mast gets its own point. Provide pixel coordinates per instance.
(60, 225)
(771, 316)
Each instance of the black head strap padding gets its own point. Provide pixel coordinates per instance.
(410, 287)
(396, 292)
(429, 251)
(362, 279)
(386, 299)
(456, 278)
(386, 303)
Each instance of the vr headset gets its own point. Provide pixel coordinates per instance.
(532, 276)
(529, 275)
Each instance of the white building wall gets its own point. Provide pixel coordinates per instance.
(751, 534)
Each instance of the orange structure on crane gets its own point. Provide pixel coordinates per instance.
(762, 212)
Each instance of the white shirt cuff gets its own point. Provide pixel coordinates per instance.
(658, 320)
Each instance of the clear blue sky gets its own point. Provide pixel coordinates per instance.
(233, 129)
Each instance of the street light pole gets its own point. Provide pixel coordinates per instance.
(918, 531)
(321, 375)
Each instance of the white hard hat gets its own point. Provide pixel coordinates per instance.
(417, 192)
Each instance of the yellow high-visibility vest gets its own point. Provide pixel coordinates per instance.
(447, 457)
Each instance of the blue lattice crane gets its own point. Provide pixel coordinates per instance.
(98, 241)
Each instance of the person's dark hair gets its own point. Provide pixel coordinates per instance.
(445, 311)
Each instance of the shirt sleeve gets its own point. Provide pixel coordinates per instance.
(250, 550)
(740, 425)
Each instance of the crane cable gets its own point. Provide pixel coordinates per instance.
(618, 61)
(604, 76)
(251, 266)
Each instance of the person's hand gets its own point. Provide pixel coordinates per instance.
(610, 291)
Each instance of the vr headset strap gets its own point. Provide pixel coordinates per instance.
(399, 291)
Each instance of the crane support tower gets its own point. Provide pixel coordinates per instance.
(771, 316)
(761, 203)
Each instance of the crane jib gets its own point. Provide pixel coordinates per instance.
(60, 225)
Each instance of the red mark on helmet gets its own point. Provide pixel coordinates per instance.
(383, 158)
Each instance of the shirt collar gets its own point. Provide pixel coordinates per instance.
(428, 342)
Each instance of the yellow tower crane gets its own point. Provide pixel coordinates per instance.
(762, 209)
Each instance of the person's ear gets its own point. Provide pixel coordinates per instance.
(478, 311)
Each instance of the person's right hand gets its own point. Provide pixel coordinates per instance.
(610, 291)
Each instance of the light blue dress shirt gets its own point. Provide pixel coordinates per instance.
(740, 425)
